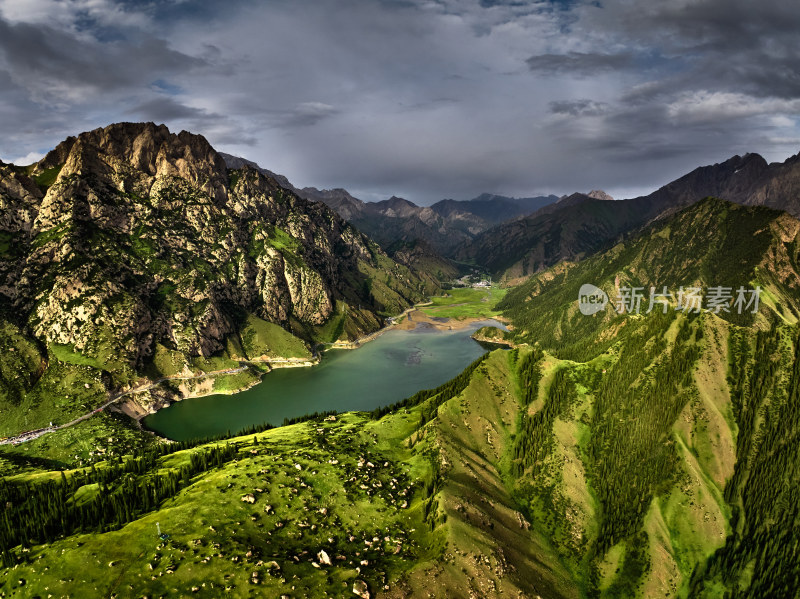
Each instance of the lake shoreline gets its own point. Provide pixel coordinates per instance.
(137, 411)
(410, 319)
(356, 343)
(395, 367)
(417, 317)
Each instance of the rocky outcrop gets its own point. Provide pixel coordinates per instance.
(19, 200)
(599, 194)
(424, 260)
(236, 162)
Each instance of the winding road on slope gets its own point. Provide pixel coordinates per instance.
(35, 434)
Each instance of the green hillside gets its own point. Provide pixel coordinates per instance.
(712, 243)
(245, 515)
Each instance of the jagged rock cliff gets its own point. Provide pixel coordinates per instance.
(131, 237)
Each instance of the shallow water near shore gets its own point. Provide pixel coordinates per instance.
(384, 371)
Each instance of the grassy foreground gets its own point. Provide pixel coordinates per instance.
(255, 525)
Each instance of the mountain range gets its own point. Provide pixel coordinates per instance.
(580, 225)
(630, 452)
(443, 226)
(514, 238)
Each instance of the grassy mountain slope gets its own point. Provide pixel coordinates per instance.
(416, 496)
(667, 413)
(712, 243)
(247, 516)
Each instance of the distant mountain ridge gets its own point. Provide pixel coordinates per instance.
(443, 226)
(581, 224)
(747, 180)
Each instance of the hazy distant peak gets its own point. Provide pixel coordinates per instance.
(599, 194)
(488, 197)
(398, 201)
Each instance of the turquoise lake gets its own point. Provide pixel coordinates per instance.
(384, 371)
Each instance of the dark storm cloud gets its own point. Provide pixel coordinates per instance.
(579, 63)
(717, 44)
(49, 58)
(420, 98)
(718, 78)
(166, 109)
(308, 114)
(65, 71)
(578, 107)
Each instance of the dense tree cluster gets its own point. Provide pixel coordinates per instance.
(761, 556)
(40, 512)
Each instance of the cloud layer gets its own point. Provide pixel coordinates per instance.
(421, 98)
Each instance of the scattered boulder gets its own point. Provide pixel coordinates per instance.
(323, 558)
(361, 589)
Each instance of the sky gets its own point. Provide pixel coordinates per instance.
(423, 99)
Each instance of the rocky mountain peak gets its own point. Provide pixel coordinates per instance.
(141, 243)
(399, 207)
(396, 201)
(753, 164)
(599, 194)
(133, 155)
